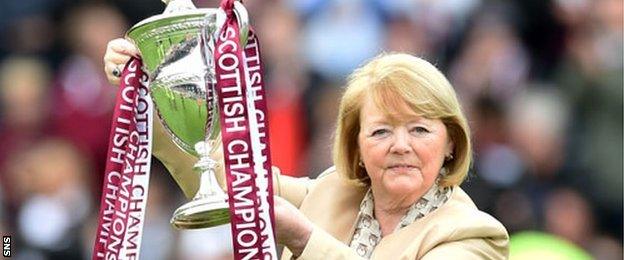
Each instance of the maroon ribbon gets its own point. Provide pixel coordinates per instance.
(244, 130)
(125, 185)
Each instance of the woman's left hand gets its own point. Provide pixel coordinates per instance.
(292, 228)
(118, 52)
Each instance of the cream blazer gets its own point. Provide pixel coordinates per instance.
(456, 230)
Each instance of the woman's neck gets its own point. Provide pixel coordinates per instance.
(388, 221)
(389, 210)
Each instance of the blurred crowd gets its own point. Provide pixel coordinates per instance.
(540, 80)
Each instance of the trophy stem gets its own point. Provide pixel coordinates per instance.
(209, 207)
(208, 185)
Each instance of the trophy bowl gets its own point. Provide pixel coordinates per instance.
(177, 50)
(179, 78)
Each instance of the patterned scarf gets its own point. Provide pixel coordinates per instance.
(368, 232)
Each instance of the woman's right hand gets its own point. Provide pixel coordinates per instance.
(118, 52)
(292, 228)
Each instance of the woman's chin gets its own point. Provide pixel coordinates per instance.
(403, 184)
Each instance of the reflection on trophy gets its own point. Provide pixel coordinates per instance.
(177, 49)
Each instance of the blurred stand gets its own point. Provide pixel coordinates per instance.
(26, 106)
(83, 98)
(50, 182)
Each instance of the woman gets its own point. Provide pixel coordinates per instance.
(402, 149)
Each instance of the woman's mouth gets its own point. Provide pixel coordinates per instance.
(401, 166)
(402, 169)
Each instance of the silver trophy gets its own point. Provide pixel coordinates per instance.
(177, 49)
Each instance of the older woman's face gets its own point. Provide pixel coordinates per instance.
(402, 156)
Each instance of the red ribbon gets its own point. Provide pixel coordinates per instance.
(244, 130)
(125, 185)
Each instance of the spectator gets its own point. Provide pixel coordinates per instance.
(52, 177)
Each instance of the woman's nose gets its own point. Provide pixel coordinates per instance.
(400, 144)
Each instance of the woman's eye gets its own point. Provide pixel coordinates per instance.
(420, 130)
(379, 132)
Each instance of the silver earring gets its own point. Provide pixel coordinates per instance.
(443, 171)
(449, 157)
(361, 163)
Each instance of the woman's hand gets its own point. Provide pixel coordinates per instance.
(292, 228)
(118, 52)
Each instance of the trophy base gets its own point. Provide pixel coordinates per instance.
(201, 213)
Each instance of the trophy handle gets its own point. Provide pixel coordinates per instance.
(243, 21)
(208, 37)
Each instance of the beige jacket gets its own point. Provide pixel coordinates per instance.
(456, 230)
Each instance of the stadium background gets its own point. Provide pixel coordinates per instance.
(540, 81)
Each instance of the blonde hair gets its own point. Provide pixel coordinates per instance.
(391, 80)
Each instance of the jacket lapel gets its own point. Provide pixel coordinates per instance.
(340, 203)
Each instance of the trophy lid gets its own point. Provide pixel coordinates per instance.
(175, 8)
(151, 19)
